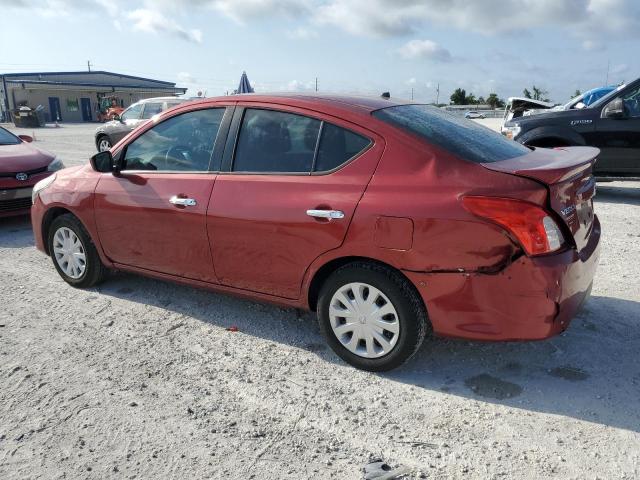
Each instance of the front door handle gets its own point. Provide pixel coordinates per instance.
(328, 214)
(183, 202)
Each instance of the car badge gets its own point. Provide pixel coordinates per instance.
(22, 176)
(568, 210)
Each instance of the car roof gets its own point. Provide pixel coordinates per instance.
(162, 99)
(361, 103)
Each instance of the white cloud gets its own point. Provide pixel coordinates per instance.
(298, 86)
(426, 49)
(185, 77)
(620, 69)
(302, 33)
(152, 21)
(593, 46)
(244, 10)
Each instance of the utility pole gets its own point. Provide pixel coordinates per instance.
(412, 94)
(89, 65)
(316, 84)
(438, 94)
(606, 82)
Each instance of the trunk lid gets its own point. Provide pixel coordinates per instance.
(567, 174)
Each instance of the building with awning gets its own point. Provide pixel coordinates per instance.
(77, 96)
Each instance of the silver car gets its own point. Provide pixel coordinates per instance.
(110, 133)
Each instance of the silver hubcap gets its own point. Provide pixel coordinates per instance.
(69, 252)
(104, 145)
(364, 320)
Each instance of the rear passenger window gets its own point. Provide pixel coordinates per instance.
(337, 146)
(271, 141)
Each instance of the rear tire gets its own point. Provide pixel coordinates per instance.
(73, 253)
(385, 319)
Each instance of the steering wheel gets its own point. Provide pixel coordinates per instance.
(173, 156)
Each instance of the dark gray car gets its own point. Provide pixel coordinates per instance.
(110, 133)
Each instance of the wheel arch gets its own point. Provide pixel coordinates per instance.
(549, 137)
(323, 273)
(48, 218)
(99, 137)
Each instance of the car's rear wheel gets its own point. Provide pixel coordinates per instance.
(371, 316)
(73, 253)
(104, 143)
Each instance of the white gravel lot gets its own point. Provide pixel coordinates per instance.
(140, 379)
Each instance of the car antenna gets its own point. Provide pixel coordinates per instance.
(386, 95)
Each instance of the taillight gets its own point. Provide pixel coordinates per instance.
(530, 224)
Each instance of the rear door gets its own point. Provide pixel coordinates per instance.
(153, 214)
(619, 138)
(292, 182)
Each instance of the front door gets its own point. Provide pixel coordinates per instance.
(619, 138)
(54, 109)
(286, 197)
(85, 106)
(153, 214)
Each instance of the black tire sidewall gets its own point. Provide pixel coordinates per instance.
(411, 322)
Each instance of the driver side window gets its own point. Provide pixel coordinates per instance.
(181, 143)
(631, 102)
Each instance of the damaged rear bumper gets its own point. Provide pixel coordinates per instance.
(531, 299)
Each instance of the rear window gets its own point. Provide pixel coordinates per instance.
(464, 138)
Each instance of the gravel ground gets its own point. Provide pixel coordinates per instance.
(141, 379)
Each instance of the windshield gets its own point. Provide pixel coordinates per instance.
(465, 138)
(8, 138)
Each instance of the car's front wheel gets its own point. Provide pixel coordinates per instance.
(73, 253)
(104, 143)
(371, 316)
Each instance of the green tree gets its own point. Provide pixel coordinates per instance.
(459, 97)
(539, 94)
(576, 93)
(470, 100)
(481, 101)
(493, 101)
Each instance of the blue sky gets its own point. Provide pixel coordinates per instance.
(364, 46)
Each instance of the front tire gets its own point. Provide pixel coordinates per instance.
(103, 143)
(371, 316)
(73, 253)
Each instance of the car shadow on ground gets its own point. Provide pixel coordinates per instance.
(590, 372)
(617, 194)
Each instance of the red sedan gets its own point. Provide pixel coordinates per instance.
(392, 220)
(21, 167)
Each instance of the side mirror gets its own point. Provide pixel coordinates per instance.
(26, 138)
(116, 117)
(615, 109)
(104, 162)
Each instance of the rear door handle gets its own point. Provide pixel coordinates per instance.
(183, 202)
(328, 214)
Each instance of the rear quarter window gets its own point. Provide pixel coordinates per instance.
(338, 146)
(464, 138)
